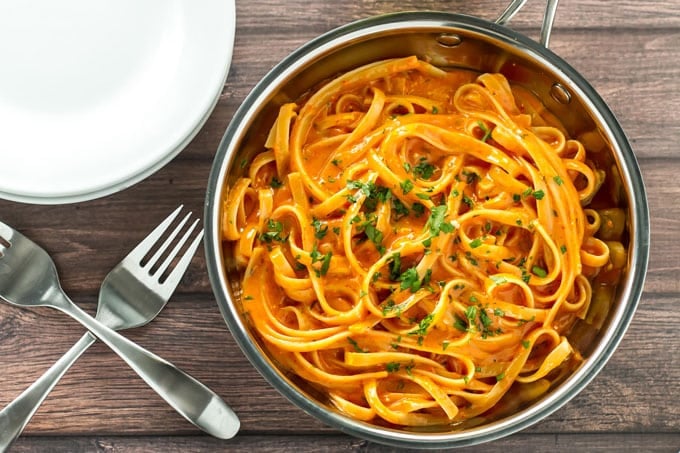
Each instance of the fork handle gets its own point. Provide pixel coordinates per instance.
(16, 415)
(193, 400)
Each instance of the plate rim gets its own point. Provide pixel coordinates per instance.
(92, 193)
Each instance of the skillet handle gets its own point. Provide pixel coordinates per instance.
(548, 18)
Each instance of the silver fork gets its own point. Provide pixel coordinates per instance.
(131, 296)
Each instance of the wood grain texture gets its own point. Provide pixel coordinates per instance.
(541, 443)
(628, 50)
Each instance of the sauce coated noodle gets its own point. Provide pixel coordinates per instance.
(414, 242)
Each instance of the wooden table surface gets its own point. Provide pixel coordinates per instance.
(629, 50)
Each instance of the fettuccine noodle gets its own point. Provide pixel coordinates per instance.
(414, 242)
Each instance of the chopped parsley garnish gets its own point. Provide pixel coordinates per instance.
(395, 266)
(369, 228)
(410, 280)
(275, 183)
(389, 306)
(273, 233)
(355, 345)
(436, 221)
(460, 324)
(427, 278)
(392, 367)
(563, 249)
(484, 319)
(471, 314)
(526, 344)
(320, 230)
(539, 271)
(418, 209)
(500, 377)
(475, 243)
(558, 180)
(324, 259)
(336, 162)
(526, 277)
(537, 194)
(400, 208)
(470, 176)
(423, 325)
(406, 186)
(485, 130)
(424, 169)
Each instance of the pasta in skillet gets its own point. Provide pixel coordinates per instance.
(416, 242)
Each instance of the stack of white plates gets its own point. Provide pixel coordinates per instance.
(97, 95)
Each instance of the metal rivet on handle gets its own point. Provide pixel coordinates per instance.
(449, 39)
(560, 93)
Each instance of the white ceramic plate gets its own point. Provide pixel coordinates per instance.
(97, 95)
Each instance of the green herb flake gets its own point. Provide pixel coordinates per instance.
(275, 183)
(410, 367)
(471, 314)
(320, 229)
(424, 169)
(539, 271)
(418, 209)
(273, 233)
(475, 243)
(526, 344)
(485, 130)
(436, 222)
(392, 367)
(410, 280)
(395, 266)
(406, 186)
(423, 325)
(324, 259)
(460, 324)
(558, 180)
(355, 345)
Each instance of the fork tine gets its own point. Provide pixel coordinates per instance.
(6, 232)
(171, 237)
(171, 256)
(176, 275)
(143, 247)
